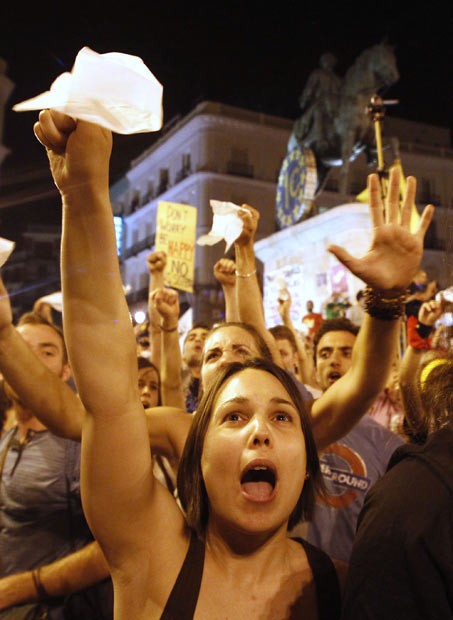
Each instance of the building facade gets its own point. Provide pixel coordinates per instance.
(232, 154)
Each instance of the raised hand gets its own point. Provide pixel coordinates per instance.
(166, 302)
(225, 272)
(44, 309)
(284, 303)
(156, 262)
(83, 154)
(429, 312)
(395, 252)
(250, 220)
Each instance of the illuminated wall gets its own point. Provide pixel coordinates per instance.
(296, 257)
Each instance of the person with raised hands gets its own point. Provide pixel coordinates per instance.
(165, 302)
(236, 482)
(386, 269)
(225, 274)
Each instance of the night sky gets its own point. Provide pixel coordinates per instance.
(242, 53)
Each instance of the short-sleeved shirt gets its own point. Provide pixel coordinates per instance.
(41, 516)
(350, 467)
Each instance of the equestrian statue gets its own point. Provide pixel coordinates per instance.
(334, 128)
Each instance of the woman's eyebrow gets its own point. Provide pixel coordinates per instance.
(282, 401)
(235, 400)
(48, 345)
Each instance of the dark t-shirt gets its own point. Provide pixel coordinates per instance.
(401, 566)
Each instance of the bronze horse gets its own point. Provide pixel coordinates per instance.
(343, 129)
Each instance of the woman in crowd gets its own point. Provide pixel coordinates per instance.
(243, 474)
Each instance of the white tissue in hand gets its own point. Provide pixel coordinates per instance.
(55, 300)
(114, 90)
(226, 225)
(6, 248)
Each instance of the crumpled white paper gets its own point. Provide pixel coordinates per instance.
(226, 224)
(55, 300)
(114, 90)
(6, 248)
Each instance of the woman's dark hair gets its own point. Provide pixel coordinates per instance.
(191, 488)
(144, 362)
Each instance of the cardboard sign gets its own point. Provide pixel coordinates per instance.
(175, 235)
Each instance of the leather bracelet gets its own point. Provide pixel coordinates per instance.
(245, 275)
(385, 308)
(40, 589)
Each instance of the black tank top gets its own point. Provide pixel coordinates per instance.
(183, 598)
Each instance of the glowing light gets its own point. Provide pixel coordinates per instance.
(140, 317)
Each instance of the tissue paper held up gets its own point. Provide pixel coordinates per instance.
(6, 249)
(226, 225)
(114, 90)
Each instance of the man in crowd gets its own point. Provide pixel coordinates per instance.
(192, 353)
(351, 465)
(312, 320)
(42, 522)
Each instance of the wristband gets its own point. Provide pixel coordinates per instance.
(423, 330)
(40, 589)
(385, 308)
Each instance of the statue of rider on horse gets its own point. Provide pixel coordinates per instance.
(335, 125)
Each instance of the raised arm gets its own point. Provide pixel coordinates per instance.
(248, 292)
(156, 262)
(165, 302)
(306, 364)
(116, 472)
(167, 429)
(225, 274)
(52, 401)
(387, 269)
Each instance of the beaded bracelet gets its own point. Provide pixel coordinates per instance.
(245, 275)
(385, 308)
(40, 589)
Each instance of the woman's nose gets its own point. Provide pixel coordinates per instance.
(260, 433)
(228, 356)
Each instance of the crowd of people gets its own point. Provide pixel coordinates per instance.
(284, 471)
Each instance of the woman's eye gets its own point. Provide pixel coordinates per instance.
(211, 356)
(283, 417)
(232, 417)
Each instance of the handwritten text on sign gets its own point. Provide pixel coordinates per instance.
(175, 235)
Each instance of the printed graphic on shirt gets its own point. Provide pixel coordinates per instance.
(345, 475)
